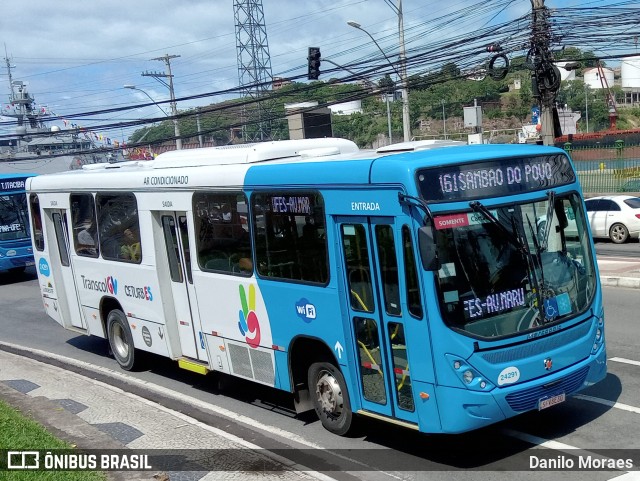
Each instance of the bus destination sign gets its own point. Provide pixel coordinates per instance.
(17, 183)
(494, 178)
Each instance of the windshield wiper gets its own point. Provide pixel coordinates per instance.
(551, 200)
(522, 246)
(509, 235)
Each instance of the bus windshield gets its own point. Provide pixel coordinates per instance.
(514, 268)
(13, 217)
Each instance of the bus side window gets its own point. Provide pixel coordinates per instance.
(84, 227)
(290, 237)
(119, 227)
(36, 220)
(222, 233)
(414, 300)
(389, 269)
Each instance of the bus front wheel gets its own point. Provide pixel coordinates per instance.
(330, 398)
(120, 339)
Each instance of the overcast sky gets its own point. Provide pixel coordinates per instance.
(76, 55)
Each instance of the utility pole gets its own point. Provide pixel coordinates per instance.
(159, 76)
(200, 138)
(545, 78)
(406, 121)
(444, 121)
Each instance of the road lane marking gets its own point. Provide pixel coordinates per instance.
(630, 476)
(625, 361)
(606, 402)
(538, 441)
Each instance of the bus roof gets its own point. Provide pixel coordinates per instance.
(291, 163)
(17, 176)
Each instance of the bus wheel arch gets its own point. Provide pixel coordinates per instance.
(316, 376)
(118, 333)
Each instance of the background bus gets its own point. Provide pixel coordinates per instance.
(440, 289)
(16, 252)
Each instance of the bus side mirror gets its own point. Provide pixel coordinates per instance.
(427, 245)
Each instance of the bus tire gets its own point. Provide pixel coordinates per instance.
(120, 339)
(330, 397)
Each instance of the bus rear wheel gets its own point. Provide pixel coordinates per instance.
(330, 398)
(120, 339)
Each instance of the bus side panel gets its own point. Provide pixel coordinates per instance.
(135, 287)
(48, 287)
(305, 311)
(233, 308)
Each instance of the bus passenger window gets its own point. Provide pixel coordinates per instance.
(84, 228)
(414, 300)
(222, 233)
(356, 254)
(119, 227)
(388, 269)
(291, 236)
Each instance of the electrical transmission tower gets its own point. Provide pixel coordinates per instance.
(254, 69)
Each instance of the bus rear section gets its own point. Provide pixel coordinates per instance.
(16, 253)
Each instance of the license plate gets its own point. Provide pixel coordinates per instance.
(545, 403)
(29, 264)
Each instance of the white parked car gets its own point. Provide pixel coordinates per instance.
(614, 216)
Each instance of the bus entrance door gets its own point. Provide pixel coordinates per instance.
(373, 284)
(176, 238)
(62, 268)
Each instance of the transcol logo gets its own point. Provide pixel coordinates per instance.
(109, 284)
(305, 310)
(43, 267)
(248, 324)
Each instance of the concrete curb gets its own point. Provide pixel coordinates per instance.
(613, 281)
(241, 432)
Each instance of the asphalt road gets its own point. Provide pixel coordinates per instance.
(608, 248)
(605, 417)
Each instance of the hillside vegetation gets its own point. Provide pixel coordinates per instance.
(443, 93)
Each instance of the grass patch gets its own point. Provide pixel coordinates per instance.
(18, 432)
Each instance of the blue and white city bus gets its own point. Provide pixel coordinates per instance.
(435, 286)
(16, 252)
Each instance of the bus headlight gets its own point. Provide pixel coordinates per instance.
(469, 376)
(598, 339)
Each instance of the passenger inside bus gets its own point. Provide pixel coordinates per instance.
(86, 240)
(130, 250)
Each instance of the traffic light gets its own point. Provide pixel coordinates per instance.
(314, 63)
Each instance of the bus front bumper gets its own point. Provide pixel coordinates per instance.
(464, 410)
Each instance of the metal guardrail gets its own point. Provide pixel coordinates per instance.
(607, 169)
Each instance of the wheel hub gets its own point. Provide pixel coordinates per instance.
(329, 394)
(119, 343)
